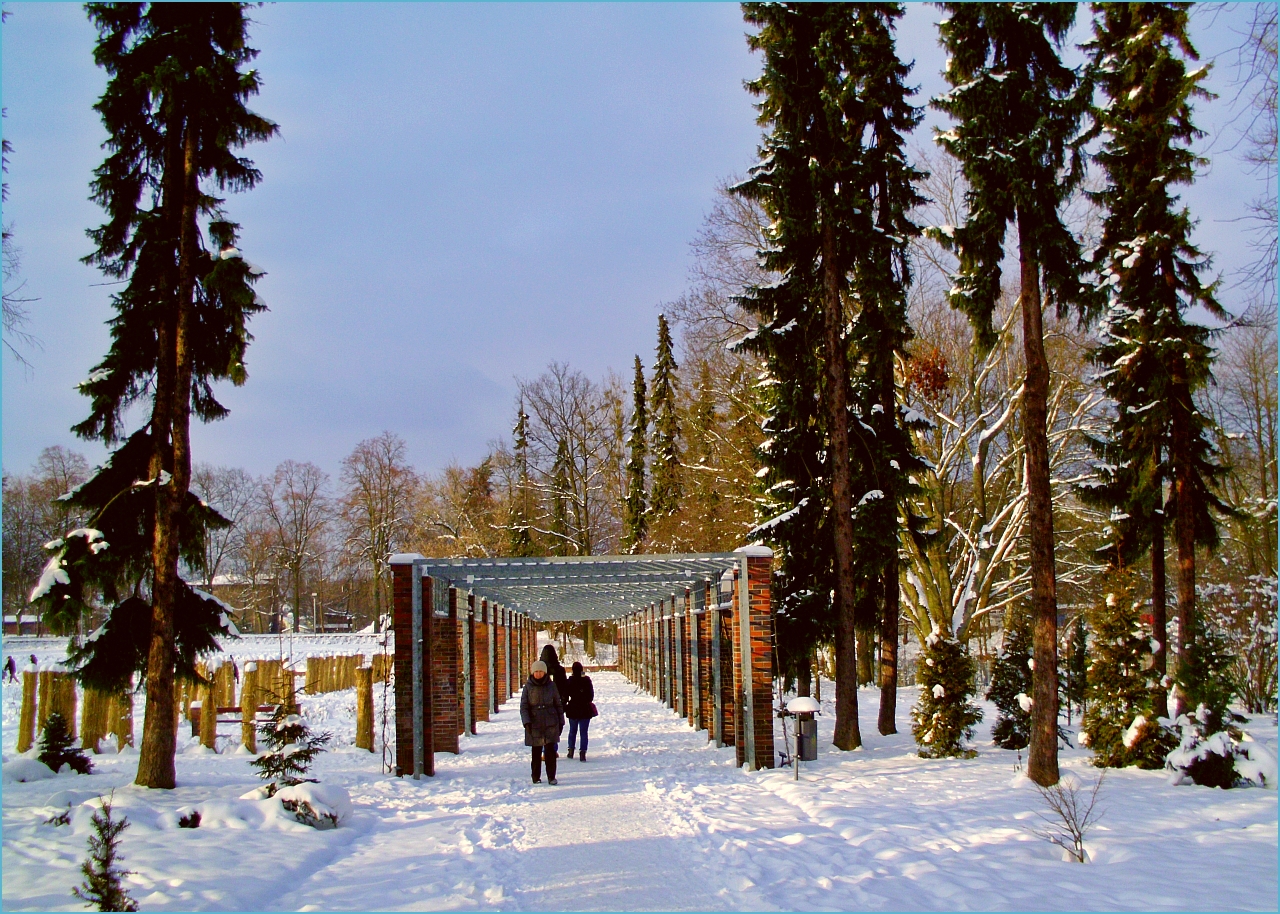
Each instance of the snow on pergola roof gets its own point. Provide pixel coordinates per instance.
(577, 588)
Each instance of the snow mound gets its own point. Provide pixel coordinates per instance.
(21, 770)
(317, 805)
(803, 705)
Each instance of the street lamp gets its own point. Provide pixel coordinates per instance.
(315, 620)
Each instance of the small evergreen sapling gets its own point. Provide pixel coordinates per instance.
(102, 873)
(1209, 739)
(1120, 725)
(291, 748)
(944, 717)
(1011, 688)
(56, 747)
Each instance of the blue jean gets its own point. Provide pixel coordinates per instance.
(574, 727)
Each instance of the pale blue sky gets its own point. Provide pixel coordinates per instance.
(460, 194)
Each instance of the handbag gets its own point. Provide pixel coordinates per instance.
(594, 712)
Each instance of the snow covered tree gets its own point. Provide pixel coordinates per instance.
(834, 182)
(1017, 111)
(1011, 687)
(55, 747)
(561, 495)
(944, 716)
(1154, 359)
(665, 489)
(103, 876)
(636, 509)
(174, 111)
(291, 747)
(1209, 748)
(1120, 724)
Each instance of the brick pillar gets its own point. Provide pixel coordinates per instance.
(728, 693)
(480, 660)
(500, 670)
(493, 657)
(705, 621)
(688, 694)
(461, 615)
(756, 655)
(669, 653)
(446, 703)
(411, 597)
(513, 664)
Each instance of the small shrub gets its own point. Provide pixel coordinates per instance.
(62, 818)
(102, 876)
(305, 813)
(190, 820)
(291, 748)
(1010, 688)
(1208, 737)
(944, 717)
(56, 747)
(1070, 815)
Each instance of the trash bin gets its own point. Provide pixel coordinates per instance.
(804, 708)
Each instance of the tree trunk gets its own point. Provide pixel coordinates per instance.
(1184, 521)
(170, 422)
(804, 680)
(1042, 759)
(888, 722)
(1159, 623)
(848, 735)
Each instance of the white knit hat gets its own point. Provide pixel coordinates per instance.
(538, 667)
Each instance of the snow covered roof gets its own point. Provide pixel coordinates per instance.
(555, 588)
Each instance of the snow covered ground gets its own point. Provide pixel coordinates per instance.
(655, 819)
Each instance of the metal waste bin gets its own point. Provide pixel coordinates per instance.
(806, 737)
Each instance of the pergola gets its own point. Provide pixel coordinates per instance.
(695, 630)
(580, 588)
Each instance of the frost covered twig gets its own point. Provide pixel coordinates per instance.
(1071, 815)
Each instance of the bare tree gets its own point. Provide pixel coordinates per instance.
(378, 490)
(233, 493)
(296, 501)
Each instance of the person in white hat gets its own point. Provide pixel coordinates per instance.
(542, 713)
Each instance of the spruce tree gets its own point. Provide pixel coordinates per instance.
(834, 182)
(1120, 725)
(175, 115)
(561, 493)
(102, 874)
(519, 535)
(1154, 359)
(944, 716)
(1011, 687)
(1017, 110)
(1209, 738)
(291, 747)
(55, 747)
(665, 492)
(1077, 672)
(635, 509)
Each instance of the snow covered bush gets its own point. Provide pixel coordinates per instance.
(291, 748)
(1011, 687)
(321, 806)
(944, 717)
(55, 748)
(1119, 724)
(1209, 750)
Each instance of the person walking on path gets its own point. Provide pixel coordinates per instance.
(554, 669)
(11, 669)
(579, 707)
(542, 714)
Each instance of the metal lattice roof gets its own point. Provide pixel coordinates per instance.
(577, 588)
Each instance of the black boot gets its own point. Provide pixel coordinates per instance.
(582, 756)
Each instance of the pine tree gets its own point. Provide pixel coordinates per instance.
(944, 717)
(291, 747)
(102, 874)
(635, 510)
(56, 748)
(1209, 738)
(1011, 687)
(1017, 109)
(665, 493)
(1120, 725)
(1077, 673)
(519, 537)
(1154, 360)
(174, 110)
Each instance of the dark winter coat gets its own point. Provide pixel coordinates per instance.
(541, 712)
(577, 706)
(555, 672)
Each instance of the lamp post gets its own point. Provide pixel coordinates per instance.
(315, 619)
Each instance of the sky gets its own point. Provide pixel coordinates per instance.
(460, 195)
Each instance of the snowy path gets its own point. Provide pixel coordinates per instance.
(657, 819)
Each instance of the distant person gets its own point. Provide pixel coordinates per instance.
(34, 662)
(579, 707)
(11, 669)
(554, 669)
(542, 713)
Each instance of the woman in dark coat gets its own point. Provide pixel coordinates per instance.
(577, 707)
(542, 714)
(554, 669)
